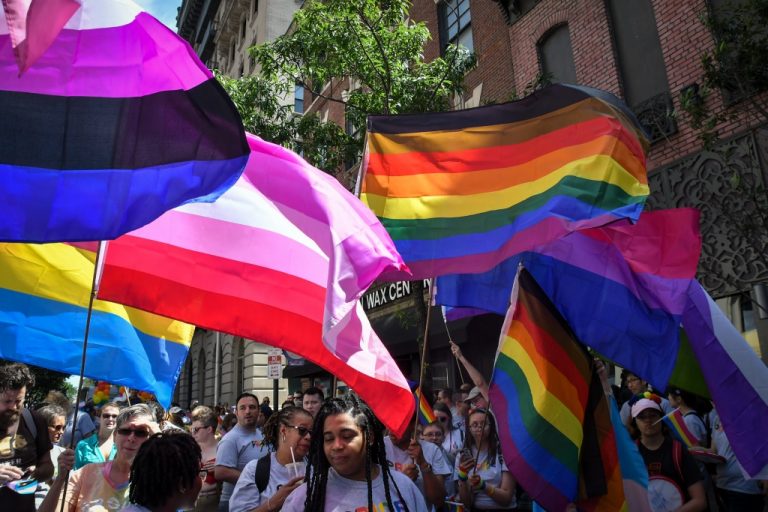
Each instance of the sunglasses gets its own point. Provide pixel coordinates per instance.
(442, 419)
(109, 416)
(140, 434)
(195, 430)
(303, 431)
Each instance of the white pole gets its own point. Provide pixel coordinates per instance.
(216, 369)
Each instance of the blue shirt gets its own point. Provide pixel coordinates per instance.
(87, 451)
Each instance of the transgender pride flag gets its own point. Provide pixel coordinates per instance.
(281, 258)
(116, 122)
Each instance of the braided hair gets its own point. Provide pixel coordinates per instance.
(166, 462)
(375, 453)
(284, 416)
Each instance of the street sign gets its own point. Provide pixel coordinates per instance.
(274, 363)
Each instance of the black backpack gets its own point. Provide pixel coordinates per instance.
(262, 472)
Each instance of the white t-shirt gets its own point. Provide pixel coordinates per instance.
(490, 472)
(345, 495)
(432, 454)
(236, 449)
(246, 494)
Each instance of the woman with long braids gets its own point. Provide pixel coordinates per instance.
(165, 476)
(266, 482)
(348, 466)
(484, 480)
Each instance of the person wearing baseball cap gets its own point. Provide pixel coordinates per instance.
(675, 482)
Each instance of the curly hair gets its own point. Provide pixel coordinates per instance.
(373, 437)
(166, 462)
(271, 428)
(15, 376)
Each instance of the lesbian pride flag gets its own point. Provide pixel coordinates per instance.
(462, 191)
(281, 258)
(115, 123)
(44, 295)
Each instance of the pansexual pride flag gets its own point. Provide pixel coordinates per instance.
(115, 123)
(281, 258)
(541, 390)
(462, 191)
(44, 294)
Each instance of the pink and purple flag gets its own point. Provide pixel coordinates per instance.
(113, 121)
(281, 258)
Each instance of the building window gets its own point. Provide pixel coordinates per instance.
(298, 99)
(455, 23)
(556, 55)
(641, 65)
(200, 394)
(513, 10)
(189, 374)
(240, 365)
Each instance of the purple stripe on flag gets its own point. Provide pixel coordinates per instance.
(138, 59)
(736, 378)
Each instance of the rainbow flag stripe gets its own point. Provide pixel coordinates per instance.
(44, 293)
(425, 411)
(676, 423)
(461, 191)
(540, 391)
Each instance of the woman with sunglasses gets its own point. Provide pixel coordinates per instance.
(204, 423)
(287, 434)
(483, 478)
(104, 485)
(453, 437)
(56, 419)
(101, 447)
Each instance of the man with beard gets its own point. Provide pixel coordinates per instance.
(24, 442)
(241, 445)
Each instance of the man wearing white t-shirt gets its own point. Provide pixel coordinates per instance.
(423, 462)
(241, 445)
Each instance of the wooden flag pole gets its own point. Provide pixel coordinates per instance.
(420, 390)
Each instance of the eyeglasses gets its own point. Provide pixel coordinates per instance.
(203, 474)
(648, 417)
(442, 419)
(140, 434)
(109, 416)
(195, 430)
(303, 431)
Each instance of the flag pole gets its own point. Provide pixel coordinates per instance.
(100, 253)
(420, 390)
(450, 341)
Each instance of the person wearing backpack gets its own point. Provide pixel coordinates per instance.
(24, 442)
(675, 482)
(265, 483)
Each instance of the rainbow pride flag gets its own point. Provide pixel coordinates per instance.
(44, 294)
(544, 395)
(424, 410)
(676, 423)
(462, 191)
(116, 122)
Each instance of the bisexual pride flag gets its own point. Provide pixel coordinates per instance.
(115, 123)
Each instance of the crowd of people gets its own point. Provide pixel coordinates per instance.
(320, 454)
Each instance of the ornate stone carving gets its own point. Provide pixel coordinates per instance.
(728, 186)
(655, 114)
